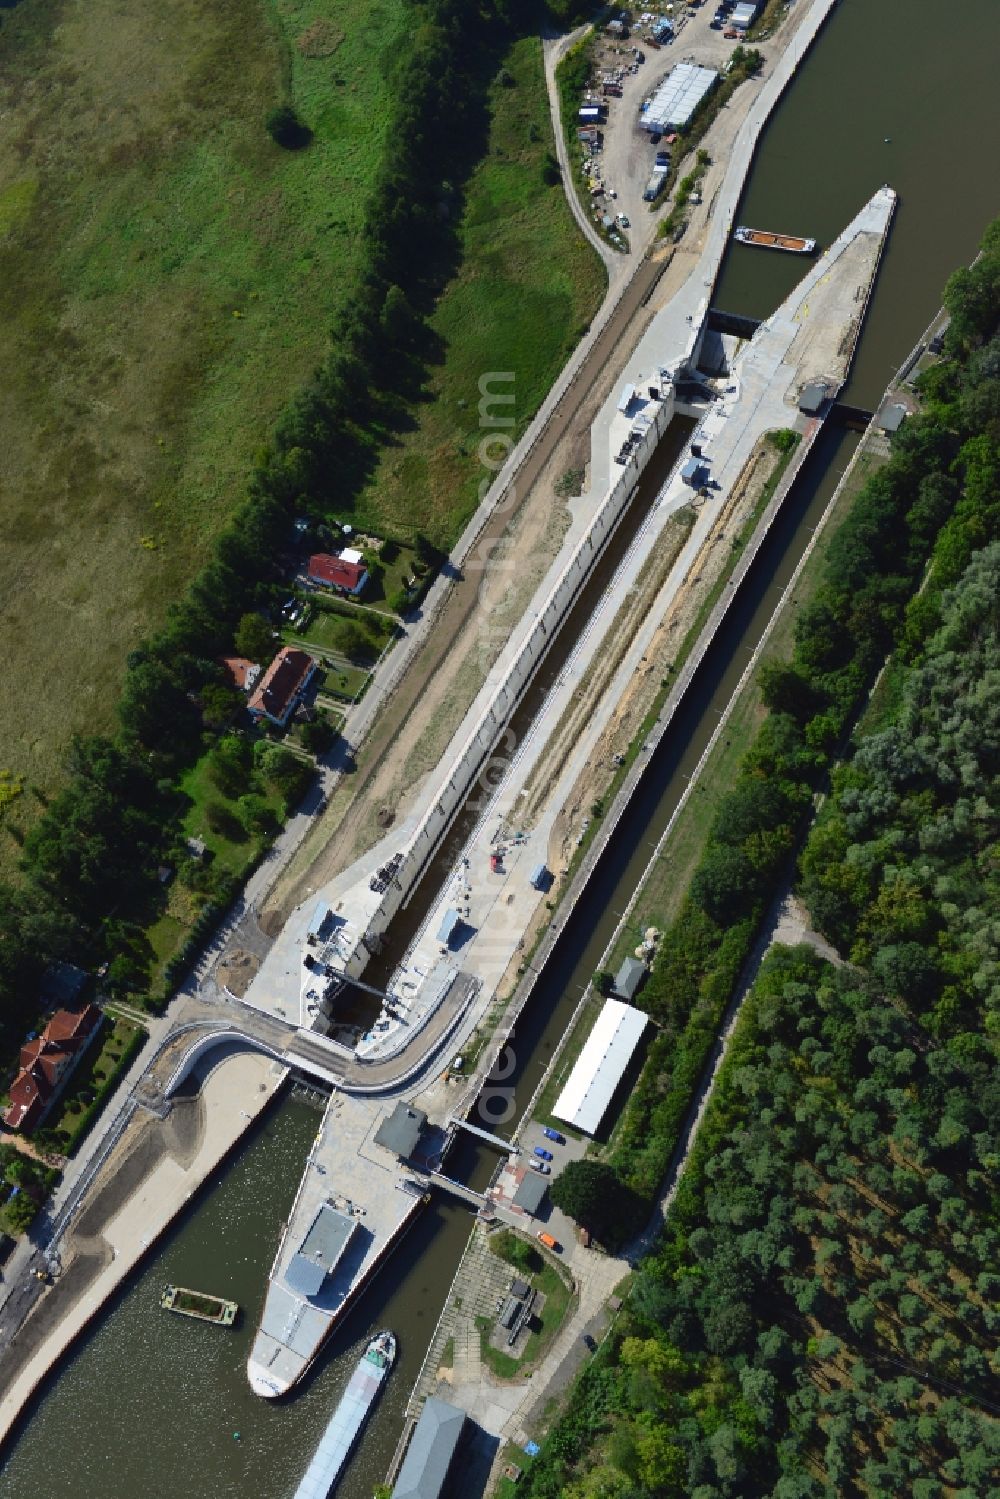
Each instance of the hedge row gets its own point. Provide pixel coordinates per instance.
(103, 1093)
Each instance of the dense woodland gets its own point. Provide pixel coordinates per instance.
(820, 1315)
(908, 537)
(93, 856)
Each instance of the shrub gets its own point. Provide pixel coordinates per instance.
(286, 129)
(318, 735)
(784, 439)
(516, 1251)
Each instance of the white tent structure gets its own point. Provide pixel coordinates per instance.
(677, 97)
(600, 1066)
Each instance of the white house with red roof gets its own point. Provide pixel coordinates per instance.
(344, 572)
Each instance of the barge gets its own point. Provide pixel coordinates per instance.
(792, 244)
(334, 1244)
(363, 1389)
(197, 1304)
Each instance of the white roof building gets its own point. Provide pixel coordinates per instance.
(677, 97)
(744, 15)
(600, 1066)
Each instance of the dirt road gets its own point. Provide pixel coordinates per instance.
(469, 633)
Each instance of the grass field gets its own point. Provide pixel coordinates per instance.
(527, 289)
(558, 1299)
(357, 635)
(167, 279)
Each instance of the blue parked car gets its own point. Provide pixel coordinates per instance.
(543, 1155)
(553, 1134)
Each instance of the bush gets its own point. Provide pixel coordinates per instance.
(21, 1212)
(516, 1251)
(223, 820)
(784, 439)
(594, 1196)
(318, 735)
(286, 129)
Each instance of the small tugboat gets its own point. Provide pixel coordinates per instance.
(793, 244)
(362, 1391)
(200, 1306)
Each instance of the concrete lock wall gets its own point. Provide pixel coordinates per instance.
(483, 739)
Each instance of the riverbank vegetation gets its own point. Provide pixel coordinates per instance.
(98, 847)
(819, 1314)
(526, 289)
(930, 502)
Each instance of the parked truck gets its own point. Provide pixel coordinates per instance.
(654, 186)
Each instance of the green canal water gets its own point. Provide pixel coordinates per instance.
(923, 74)
(148, 1403)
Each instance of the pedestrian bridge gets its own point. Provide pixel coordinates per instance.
(226, 1039)
(507, 1146)
(458, 1189)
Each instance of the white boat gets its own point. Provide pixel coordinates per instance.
(362, 1391)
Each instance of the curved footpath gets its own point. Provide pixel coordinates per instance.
(554, 49)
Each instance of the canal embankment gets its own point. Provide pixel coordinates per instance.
(151, 1175)
(409, 684)
(770, 372)
(783, 922)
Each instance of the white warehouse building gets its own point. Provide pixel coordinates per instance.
(677, 98)
(600, 1066)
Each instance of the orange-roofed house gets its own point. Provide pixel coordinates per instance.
(46, 1062)
(283, 686)
(242, 672)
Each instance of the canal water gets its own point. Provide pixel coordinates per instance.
(149, 1404)
(923, 74)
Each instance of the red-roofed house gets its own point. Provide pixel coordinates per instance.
(46, 1063)
(241, 672)
(282, 686)
(345, 574)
